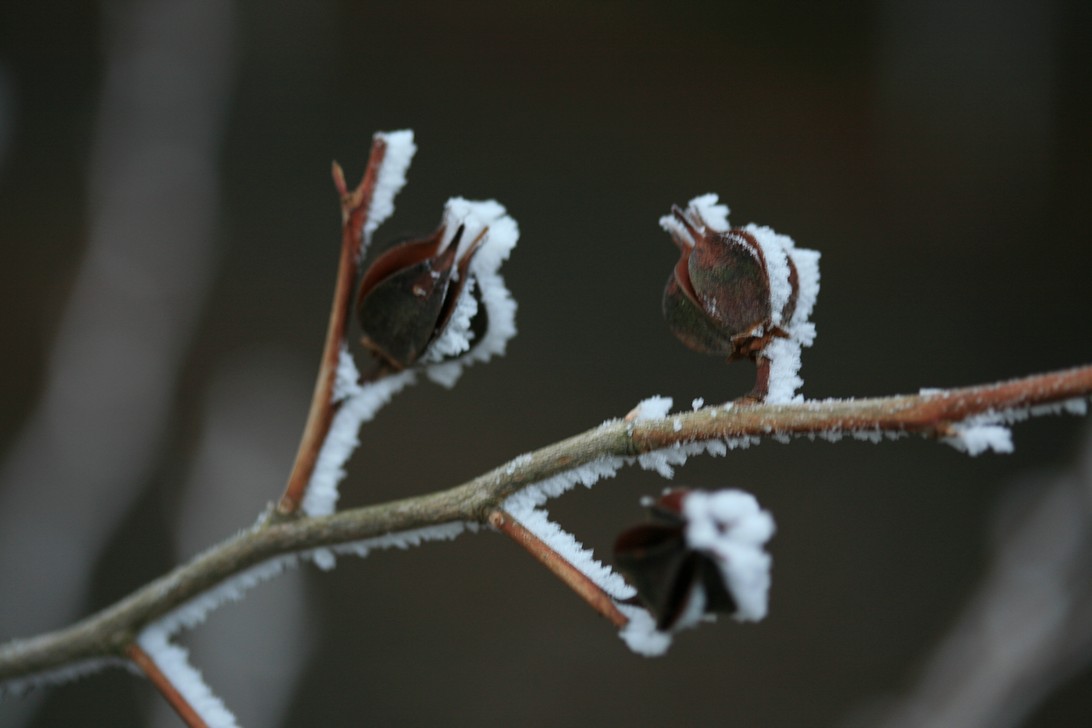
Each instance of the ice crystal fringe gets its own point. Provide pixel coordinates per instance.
(640, 633)
(359, 404)
(173, 662)
(784, 354)
(501, 236)
(990, 431)
(565, 544)
(389, 182)
(68, 673)
(704, 208)
(194, 611)
(651, 408)
(588, 474)
(458, 336)
(975, 439)
(730, 526)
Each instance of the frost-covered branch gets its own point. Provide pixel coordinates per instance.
(174, 679)
(433, 305)
(223, 573)
(362, 210)
(560, 565)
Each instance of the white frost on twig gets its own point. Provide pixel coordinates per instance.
(523, 505)
(359, 404)
(72, 671)
(389, 181)
(346, 376)
(990, 431)
(403, 539)
(665, 460)
(477, 218)
(173, 662)
(784, 353)
(567, 547)
(588, 474)
(651, 408)
(975, 439)
(193, 612)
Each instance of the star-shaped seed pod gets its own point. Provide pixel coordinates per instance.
(700, 555)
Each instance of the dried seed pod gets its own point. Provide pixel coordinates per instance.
(734, 291)
(701, 554)
(407, 296)
(717, 299)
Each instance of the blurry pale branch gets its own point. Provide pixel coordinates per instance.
(1027, 628)
(111, 632)
(140, 284)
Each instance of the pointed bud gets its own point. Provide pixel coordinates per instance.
(717, 299)
(734, 291)
(408, 294)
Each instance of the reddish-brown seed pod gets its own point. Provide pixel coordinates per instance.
(665, 571)
(407, 295)
(717, 299)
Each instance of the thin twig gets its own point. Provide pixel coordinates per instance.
(109, 632)
(584, 587)
(163, 684)
(355, 206)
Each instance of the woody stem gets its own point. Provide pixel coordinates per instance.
(354, 211)
(584, 587)
(163, 684)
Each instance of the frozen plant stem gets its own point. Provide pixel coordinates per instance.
(166, 688)
(110, 632)
(355, 206)
(584, 587)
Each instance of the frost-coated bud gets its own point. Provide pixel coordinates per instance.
(701, 554)
(408, 295)
(440, 302)
(743, 293)
(718, 298)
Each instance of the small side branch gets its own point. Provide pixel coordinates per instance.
(355, 206)
(584, 587)
(165, 687)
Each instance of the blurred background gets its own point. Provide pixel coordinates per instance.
(170, 238)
